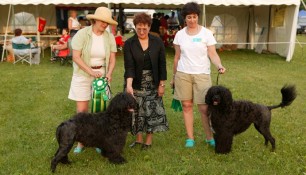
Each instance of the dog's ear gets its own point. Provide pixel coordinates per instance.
(226, 98)
(122, 102)
(209, 95)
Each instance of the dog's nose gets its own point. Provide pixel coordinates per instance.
(216, 99)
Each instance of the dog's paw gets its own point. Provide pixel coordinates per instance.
(65, 161)
(118, 160)
(53, 167)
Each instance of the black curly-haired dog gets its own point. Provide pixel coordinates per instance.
(105, 130)
(229, 117)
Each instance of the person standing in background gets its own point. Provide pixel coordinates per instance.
(154, 30)
(73, 23)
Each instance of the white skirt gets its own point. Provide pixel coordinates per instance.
(81, 86)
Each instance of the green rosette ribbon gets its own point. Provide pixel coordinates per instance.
(176, 104)
(99, 95)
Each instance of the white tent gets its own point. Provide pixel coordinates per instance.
(253, 24)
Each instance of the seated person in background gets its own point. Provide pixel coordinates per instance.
(60, 49)
(20, 39)
(173, 22)
(164, 28)
(119, 40)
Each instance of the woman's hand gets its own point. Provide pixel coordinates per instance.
(221, 69)
(172, 84)
(129, 89)
(96, 74)
(108, 77)
(161, 90)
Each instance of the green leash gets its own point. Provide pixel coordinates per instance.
(99, 95)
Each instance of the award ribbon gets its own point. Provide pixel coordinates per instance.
(176, 104)
(99, 96)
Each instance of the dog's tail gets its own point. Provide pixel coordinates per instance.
(288, 96)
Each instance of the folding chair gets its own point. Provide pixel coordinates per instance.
(22, 53)
(65, 55)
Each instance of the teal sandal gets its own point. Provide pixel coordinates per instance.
(98, 150)
(211, 142)
(189, 143)
(77, 150)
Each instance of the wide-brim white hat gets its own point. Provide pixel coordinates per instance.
(103, 14)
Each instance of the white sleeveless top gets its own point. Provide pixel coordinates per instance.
(75, 22)
(97, 54)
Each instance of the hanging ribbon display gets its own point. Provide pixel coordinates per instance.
(176, 104)
(99, 95)
(41, 24)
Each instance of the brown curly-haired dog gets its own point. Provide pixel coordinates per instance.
(105, 130)
(229, 117)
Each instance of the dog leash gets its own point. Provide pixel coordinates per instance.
(218, 76)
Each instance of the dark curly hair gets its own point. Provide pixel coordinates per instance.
(142, 18)
(190, 8)
(18, 32)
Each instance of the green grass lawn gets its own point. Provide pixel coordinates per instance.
(34, 102)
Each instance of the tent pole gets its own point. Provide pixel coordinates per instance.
(269, 27)
(5, 35)
(204, 16)
(109, 7)
(13, 12)
(293, 35)
(248, 29)
(37, 25)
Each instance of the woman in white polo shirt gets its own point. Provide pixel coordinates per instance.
(94, 56)
(194, 49)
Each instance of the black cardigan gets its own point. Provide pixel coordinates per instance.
(134, 60)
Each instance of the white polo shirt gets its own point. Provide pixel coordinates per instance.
(194, 57)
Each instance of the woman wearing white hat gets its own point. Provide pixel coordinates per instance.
(94, 51)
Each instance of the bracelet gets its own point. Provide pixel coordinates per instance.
(162, 85)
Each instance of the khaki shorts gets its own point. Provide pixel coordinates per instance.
(191, 87)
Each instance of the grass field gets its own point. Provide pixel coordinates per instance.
(34, 102)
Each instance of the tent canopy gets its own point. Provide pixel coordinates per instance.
(252, 24)
(156, 2)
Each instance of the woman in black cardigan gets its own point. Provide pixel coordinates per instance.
(145, 75)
